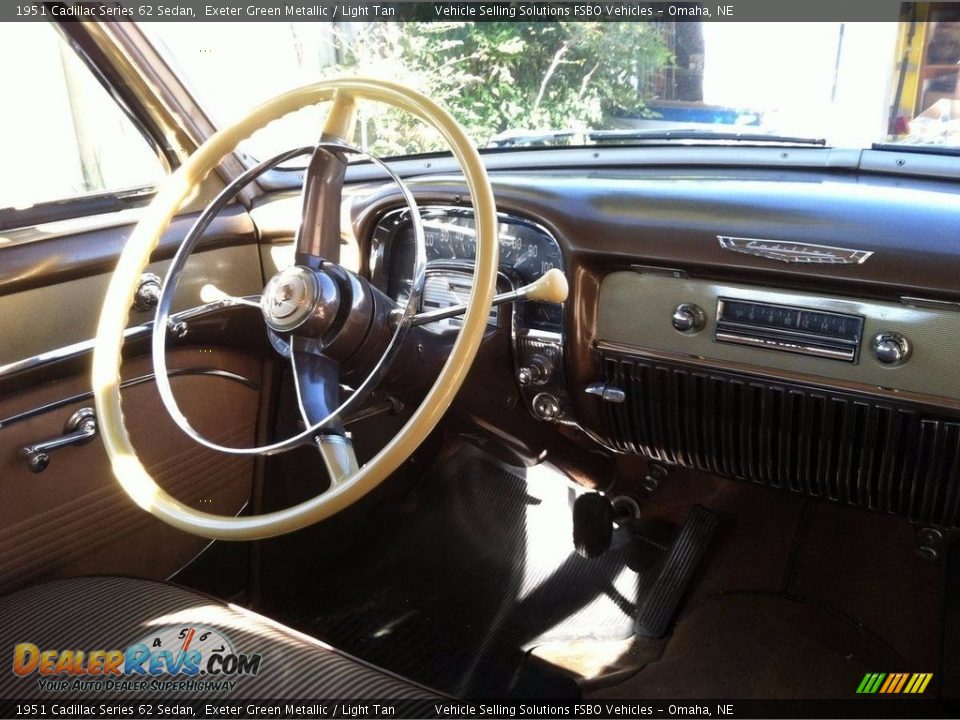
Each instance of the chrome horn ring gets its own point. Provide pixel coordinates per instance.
(172, 278)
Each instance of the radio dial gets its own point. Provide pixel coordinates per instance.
(688, 318)
(891, 348)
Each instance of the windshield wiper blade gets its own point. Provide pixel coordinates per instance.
(923, 149)
(598, 137)
(698, 134)
(531, 139)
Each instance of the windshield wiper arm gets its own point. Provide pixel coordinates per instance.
(697, 134)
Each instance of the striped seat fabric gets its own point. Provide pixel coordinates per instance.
(124, 638)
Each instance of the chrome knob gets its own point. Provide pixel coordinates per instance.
(537, 372)
(688, 318)
(546, 406)
(148, 293)
(177, 329)
(891, 348)
(37, 461)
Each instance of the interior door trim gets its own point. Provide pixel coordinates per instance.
(86, 346)
(139, 380)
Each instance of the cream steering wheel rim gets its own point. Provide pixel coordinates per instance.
(132, 476)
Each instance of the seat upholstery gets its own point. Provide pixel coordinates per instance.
(114, 613)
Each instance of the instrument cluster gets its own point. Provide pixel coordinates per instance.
(527, 251)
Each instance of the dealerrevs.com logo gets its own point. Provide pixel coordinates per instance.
(174, 658)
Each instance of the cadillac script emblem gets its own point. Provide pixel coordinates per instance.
(791, 252)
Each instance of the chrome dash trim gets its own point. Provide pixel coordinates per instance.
(794, 252)
(929, 303)
(786, 346)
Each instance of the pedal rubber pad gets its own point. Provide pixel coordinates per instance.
(663, 598)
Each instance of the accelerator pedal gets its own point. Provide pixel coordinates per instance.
(592, 525)
(663, 598)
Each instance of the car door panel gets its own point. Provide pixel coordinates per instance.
(73, 518)
(76, 303)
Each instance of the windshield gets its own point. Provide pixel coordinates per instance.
(537, 84)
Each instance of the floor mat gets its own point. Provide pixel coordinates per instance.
(475, 568)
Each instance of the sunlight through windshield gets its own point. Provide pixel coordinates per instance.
(538, 84)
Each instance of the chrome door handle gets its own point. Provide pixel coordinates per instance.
(80, 428)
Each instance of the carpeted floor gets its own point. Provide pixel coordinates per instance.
(798, 599)
(476, 567)
(454, 584)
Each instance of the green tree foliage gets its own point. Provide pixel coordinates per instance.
(499, 77)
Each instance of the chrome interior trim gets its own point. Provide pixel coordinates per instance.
(786, 346)
(139, 380)
(794, 252)
(86, 346)
(658, 270)
(64, 353)
(930, 303)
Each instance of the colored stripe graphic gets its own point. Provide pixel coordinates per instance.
(870, 683)
(900, 682)
(891, 679)
(894, 683)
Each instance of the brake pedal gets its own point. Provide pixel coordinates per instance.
(663, 598)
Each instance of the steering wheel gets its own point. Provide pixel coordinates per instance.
(320, 315)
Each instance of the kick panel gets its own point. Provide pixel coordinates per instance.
(886, 345)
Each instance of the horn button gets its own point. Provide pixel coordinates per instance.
(300, 298)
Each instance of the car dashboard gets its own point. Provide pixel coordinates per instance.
(796, 330)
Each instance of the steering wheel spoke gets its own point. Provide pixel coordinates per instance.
(318, 237)
(342, 117)
(339, 457)
(317, 382)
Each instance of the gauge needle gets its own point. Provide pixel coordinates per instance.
(551, 287)
(523, 258)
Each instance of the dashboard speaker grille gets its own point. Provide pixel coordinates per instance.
(844, 448)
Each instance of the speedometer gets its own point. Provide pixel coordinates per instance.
(527, 252)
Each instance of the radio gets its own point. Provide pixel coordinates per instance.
(789, 329)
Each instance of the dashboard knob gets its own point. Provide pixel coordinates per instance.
(546, 406)
(891, 348)
(688, 318)
(537, 372)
